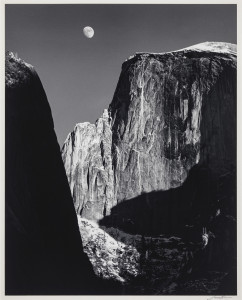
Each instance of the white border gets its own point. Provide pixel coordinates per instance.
(2, 138)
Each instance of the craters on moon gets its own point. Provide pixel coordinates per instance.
(88, 32)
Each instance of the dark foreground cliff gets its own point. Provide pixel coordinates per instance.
(43, 247)
(162, 158)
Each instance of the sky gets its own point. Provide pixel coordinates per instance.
(80, 75)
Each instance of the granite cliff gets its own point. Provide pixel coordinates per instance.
(163, 154)
(157, 172)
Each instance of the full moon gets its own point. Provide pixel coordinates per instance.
(88, 32)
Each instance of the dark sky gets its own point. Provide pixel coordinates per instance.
(79, 74)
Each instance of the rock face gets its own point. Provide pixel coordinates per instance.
(87, 155)
(171, 113)
(43, 248)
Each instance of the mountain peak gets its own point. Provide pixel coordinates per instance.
(217, 47)
(220, 47)
(17, 71)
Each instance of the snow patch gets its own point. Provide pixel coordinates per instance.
(111, 259)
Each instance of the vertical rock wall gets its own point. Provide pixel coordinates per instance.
(43, 247)
(170, 112)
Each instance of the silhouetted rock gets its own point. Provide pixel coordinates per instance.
(44, 253)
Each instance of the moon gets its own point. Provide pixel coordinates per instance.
(88, 32)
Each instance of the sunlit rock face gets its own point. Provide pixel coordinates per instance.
(170, 112)
(87, 158)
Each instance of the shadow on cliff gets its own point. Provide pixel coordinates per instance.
(180, 211)
(184, 212)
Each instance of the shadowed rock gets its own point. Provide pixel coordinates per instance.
(43, 247)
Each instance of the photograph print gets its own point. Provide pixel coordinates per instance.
(120, 149)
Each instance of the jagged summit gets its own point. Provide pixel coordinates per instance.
(87, 125)
(17, 71)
